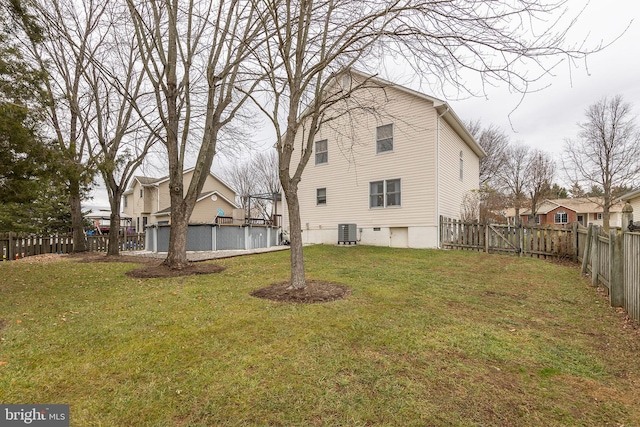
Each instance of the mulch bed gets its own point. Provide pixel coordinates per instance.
(316, 291)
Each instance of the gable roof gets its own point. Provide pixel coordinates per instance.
(578, 205)
(201, 196)
(630, 195)
(442, 107)
(146, 181)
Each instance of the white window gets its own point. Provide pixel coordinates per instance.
(141, 193)
(321, 196)
(561, 217)
(383, 194)
(599, 215)
(538, 219)
(461, 167)
(322, 152)
(384, 138)
(125, 201)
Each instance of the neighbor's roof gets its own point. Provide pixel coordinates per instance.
(202, 196)
(578, 205)
(148, 181)
(630, 195)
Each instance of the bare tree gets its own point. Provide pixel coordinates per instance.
(60, 39)
(313, 42)
(540, 171)
(124, 128)
(257, 176)
(494, 142)
(513, 176)
(194, 56)
(607, 151)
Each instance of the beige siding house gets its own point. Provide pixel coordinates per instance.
(147, 201)
(392, 170)
(633, 198)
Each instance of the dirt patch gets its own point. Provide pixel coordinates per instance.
(316, 291)
(157, 270)
(152, 267)
(42, 259)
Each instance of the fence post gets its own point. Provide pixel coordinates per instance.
(486, 237)
(11, 252)
(595, 257)
(616, 269)
(574, 241)
(586, 257)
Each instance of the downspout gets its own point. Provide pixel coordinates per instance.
(438, 174)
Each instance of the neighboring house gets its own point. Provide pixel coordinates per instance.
(633, 198)
(148, 201)
(391, 169)
(567, 211)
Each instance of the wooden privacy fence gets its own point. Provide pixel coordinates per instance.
(14, 246)
(612, 259)
(526, 240)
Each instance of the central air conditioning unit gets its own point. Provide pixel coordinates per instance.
(347, 233)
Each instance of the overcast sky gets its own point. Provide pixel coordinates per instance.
(545, 119)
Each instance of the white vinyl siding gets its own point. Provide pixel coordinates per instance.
(454, 182)
(348, 177)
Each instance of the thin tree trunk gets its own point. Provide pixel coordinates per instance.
(77, 225)
(297, 258)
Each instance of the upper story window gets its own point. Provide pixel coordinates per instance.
(322, 152)
(384, 138)
(321, 196)
(125, 201)
(141, 193)
(461, 167)
(561, 217)
(383, 194)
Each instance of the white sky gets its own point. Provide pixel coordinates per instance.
(545, 119)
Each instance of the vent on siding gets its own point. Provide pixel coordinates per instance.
(347, 233)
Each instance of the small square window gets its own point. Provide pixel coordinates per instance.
(384, 138)
(322, 152)
(321, 196)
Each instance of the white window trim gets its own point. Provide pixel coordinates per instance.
(560, 214)
(385, 193)
(316, 152)
(325, 196)
(392, 139)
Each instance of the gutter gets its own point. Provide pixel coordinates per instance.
(438, 173)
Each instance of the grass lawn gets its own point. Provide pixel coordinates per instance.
(425, 338)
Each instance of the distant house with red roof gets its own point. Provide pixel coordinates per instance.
(582, 210)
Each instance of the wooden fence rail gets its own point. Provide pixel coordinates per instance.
(612, 259)
(14, 246)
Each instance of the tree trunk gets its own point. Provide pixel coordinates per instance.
(177, 253)
(295, 228)
(77, 225)
(114, 226)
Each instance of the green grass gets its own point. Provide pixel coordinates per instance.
(425, 338)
